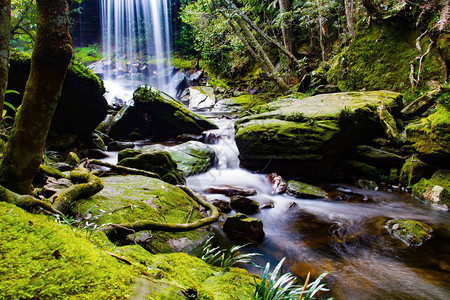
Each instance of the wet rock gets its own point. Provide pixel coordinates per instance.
(378, 157)
(296, 134)
(221, 204)
(155, 115)
(266, 206)
(359, 169)
(131, 198)
(412, 233)
(413, 170)
(54, 186)
(303, 190)
(230, 191)
(118, 145)
(431, 138)
(244, 205)
(156, 161)
(97, 154)
(434, 191)
(195, 78)
(201, 97)
(278, 183)
(97, 142)
(186, 137)
(244, 226)
(62, 166)
(367, 184)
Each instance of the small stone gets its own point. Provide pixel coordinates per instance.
(117, 146)
(244, 204)
(303, 190)
(367, 184)
(243, 225)
(221, 204)
(412, 233)
(72, 159)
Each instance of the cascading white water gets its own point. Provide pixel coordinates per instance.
(136, 38)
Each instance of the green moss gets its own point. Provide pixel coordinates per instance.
(304, 190)
(379, 57)
(413, 233)
(424, 189)
(187, 64)
(431, 136)
(42, 259)
(130, 198)
(52, 172)
(87, 55)
(413, 171)
(80, 71)
(72, 159)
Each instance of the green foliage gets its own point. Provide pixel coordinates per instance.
(79, 70)
(23, 24)
(87, 55)
(10, 106)
(225, 258)
(278, 286)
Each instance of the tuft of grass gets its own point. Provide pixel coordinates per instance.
(278, 286)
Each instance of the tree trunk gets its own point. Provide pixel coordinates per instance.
(51, 56)
(5, 24)
(261, 53)
(286, 29)
(350, 16)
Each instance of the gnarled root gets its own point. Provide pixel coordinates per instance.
(26, 202)
(89, 186)
(127, 170)
(120, 231)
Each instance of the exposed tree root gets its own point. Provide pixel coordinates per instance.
(120, 231)
(127, 170)
(89, 186)
(26, 202)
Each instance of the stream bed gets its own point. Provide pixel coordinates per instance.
(346, 236)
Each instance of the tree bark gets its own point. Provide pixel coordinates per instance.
(350, 16)
(260, 32)
(5, 24)
(261, 53)
(286, 29)
(51, 56)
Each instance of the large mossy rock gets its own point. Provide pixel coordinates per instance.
(157, 161)
(191, 157)
(308, 137)
(131, 198)
(305, 191)
(155, 115)
(434, 191)
(44, 259)
(414, 170)
(379, 57)
(81, 106)
(431, 137)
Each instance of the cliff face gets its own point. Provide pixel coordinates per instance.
(86, 23)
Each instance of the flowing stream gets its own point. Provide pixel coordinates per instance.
(346, 236)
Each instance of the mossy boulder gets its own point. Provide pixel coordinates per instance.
(44, 259)
(191, 157)
(157, 161)
(308, 137)
(379, 57)
(244, 205)
(305, 191)
(245, 102)
(155, 115)
(412, 233)
(82, 106)
(414, 170)
(131, 198)
(434, 191)
(431, 137)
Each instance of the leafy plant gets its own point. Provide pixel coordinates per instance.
(225, 258)
(4, 116)
(275, 285)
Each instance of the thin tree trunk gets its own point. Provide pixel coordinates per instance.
(321, 30)
(51, 56)
(248, 47)
(5, 24)
(350, 16)
(260, 32)
(286, 29)
(261, 53)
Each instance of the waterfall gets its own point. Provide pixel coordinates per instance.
(136, 39)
